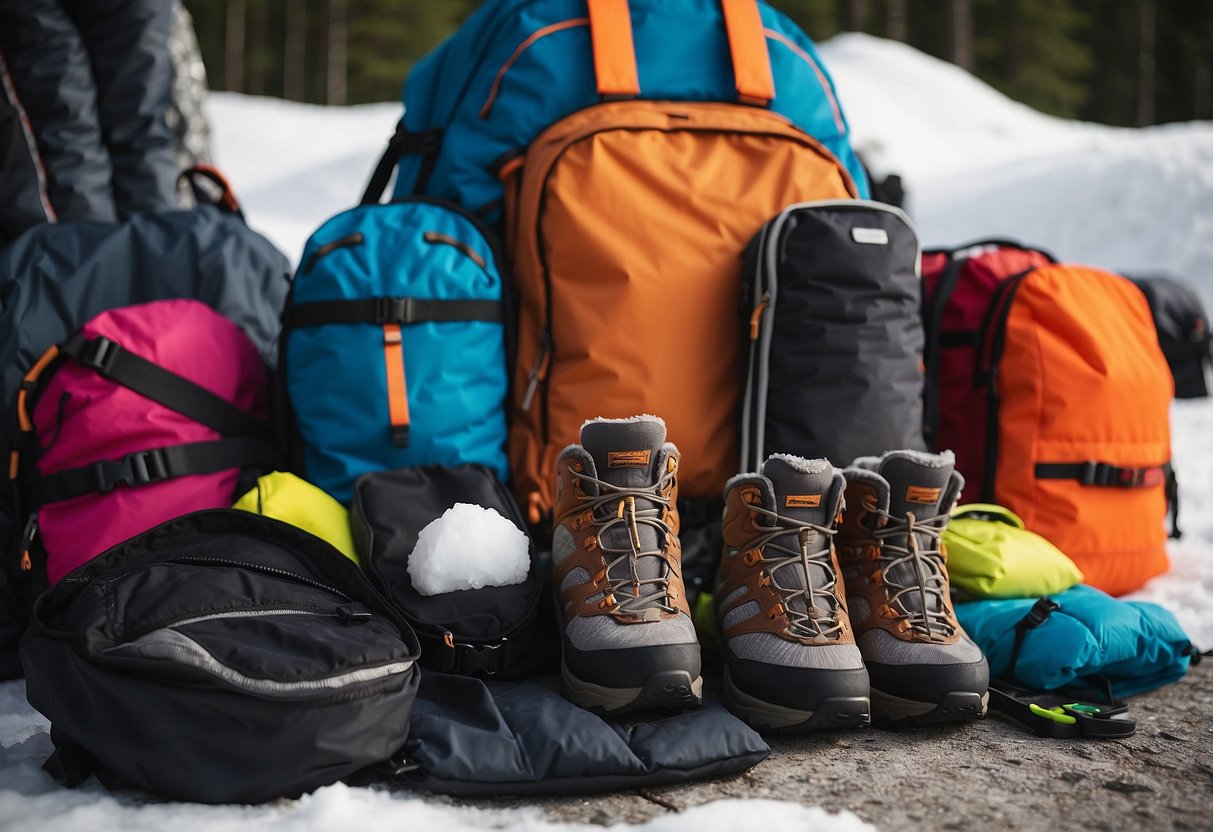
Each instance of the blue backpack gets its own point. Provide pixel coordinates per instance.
(393, 347)
(517, 66)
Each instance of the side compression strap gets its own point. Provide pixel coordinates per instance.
(162, 386)
(392, 311)
(154, 465)
(1036, 616)
(1103, 473)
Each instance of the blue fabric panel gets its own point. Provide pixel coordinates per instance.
(454, 371)
(1137, 645)
(554, 77)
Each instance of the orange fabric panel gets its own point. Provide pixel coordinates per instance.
(632, 217)
(748, 43)
(1083, 378)
(397, 389)
(614, 51)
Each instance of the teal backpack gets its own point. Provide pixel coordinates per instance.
(393, 349)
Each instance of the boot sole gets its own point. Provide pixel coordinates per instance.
(890, 711)
(669, 689)
(767, 717)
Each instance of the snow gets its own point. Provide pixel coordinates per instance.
(468, 547)
(974, 164)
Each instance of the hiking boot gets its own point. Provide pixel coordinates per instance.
(791, 663)
(923, 667)
(628, 641)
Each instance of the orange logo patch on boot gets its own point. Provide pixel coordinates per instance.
(802, 501)
(922, 494)
(628, 459)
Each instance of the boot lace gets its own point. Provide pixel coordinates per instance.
(815, 620)
(926, 566)
(615, 508)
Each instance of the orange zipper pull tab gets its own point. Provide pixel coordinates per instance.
(27, 540)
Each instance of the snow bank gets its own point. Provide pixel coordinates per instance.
(977, 164)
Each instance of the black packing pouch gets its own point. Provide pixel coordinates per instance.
(492, 632)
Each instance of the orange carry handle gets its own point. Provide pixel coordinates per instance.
(748, 43)
(397, 389)
(615, 50)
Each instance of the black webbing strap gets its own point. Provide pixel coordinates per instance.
(151, 466)
(1173, 500)
(1103, 473)
(1036, 616)
(392, 311)
(427, 143)
(117, 364)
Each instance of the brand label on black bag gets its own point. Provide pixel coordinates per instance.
(870, 236)
(628, 459)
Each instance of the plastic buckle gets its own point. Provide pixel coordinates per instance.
(1096, 473)
(1039, 613)
(140, 468)
(486, 659)
(395, 310)
(100, 354)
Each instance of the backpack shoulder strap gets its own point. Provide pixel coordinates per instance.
(112, 361)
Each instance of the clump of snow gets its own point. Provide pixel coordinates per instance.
(468, 547)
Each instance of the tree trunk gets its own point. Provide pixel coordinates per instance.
(1146, 66)
(896, 27)
(335, 82)
(293, 49)
(960, 18)
(233, 47)
(256, 48)
(857, 15)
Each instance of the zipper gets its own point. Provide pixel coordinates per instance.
(347, 614)
(994, 330)
(538, 368)
(434, 238)
(30, 532)
(348, 241)
(265, 570)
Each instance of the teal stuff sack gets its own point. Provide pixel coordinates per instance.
(1135, 646)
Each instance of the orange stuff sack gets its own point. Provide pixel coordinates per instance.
(1079, 395)
(627, 222)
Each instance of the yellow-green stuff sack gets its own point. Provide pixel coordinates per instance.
(992, 555)
(287, 498)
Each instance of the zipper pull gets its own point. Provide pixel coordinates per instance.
(540, 365)
(756, 317)
(27, 540)
(354, 614)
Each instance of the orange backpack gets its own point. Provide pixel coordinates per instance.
(626, 223)
(1076, 398)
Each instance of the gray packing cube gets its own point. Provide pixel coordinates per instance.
(832, 291)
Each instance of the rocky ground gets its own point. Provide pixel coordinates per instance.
(990, 774)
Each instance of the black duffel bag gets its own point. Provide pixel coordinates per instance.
(223, 657)
(494, 631)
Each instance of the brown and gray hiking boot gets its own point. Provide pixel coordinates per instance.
(791, 663)
(628, 640)
(922, 665)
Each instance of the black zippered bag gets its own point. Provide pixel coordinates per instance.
(222, 657)
(495, 631)
(832, 298)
